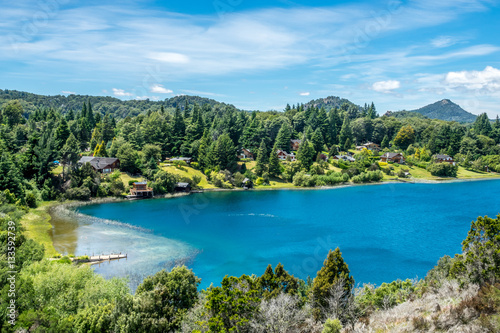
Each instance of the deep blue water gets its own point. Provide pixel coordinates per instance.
(385, 232)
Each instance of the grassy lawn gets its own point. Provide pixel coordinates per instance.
(467, 174)
(275, 183)
(250, 165)
(125, 178)
(57, 170)
(190, 172)
(37, 226)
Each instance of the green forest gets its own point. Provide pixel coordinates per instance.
(41, 144)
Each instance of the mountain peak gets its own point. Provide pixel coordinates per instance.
(445, 109)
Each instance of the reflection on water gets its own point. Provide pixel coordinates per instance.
(85, 235)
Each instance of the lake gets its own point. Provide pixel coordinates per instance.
(385, 232)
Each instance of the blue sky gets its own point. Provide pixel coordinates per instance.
(257, 55)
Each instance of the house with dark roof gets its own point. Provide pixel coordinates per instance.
(101, 164)
(444, 159)
(245, 153)
(392, 157)
(182, 187)
(345, 158)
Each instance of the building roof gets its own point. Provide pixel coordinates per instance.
(296, 140)
(140, 183)
(181, 159)
(443, 157)
(182, 184)
(246, 180)
(391, 155)
(98, 162)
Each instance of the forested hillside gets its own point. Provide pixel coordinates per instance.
(39, 151)
(101, 104)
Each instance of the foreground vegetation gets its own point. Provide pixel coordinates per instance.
(459, 294)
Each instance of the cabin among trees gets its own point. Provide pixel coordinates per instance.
(345, 158)
(101, 164)
(370, 146)
(294, 144)
(444, 159)
(245, 153)
(141, 190)
(182, 187)
(283, 155)
(393, 157)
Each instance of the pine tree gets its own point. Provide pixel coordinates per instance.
(83, 114)
(262, 159)
(90, 115)
(317, 141)
(61, 133)
(306, 154)
(334, 270)
(334, 120)
(345, 133)
(187, 110)
(274, 162)
(283, 138)
(385, 142)
(70, 115)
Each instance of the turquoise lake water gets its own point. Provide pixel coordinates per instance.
(385, 232)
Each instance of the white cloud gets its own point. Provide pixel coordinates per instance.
(307, 93)
(170, 57)
(201, 93)
(443, 41)
(386, 86)
(487, 80)
(121, 93)
(159, 89)
(68, 92)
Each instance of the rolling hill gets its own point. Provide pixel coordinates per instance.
(446, 110)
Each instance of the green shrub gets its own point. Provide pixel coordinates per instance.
(332, 326)
(78, 193)
(442, 169)
(31, 200)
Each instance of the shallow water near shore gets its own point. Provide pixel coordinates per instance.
(386, 232)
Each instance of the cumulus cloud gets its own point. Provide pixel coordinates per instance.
(487, 80)
(307, 93)
(159, 89)
(386, 86)
(121, 93)
(68, 92)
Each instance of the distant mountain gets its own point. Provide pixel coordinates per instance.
(446, 110)
(404, 114)
(102, 104)
(330, 102)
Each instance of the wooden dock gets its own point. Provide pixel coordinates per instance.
(107, 257)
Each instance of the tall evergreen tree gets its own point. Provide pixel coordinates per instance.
(274, 162)
(283, 138)
(334, 270)
(306, 154)
(62, 133)
(262, 159)
(90, 115)
(345, 133)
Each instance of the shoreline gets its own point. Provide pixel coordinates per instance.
(38, 221)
